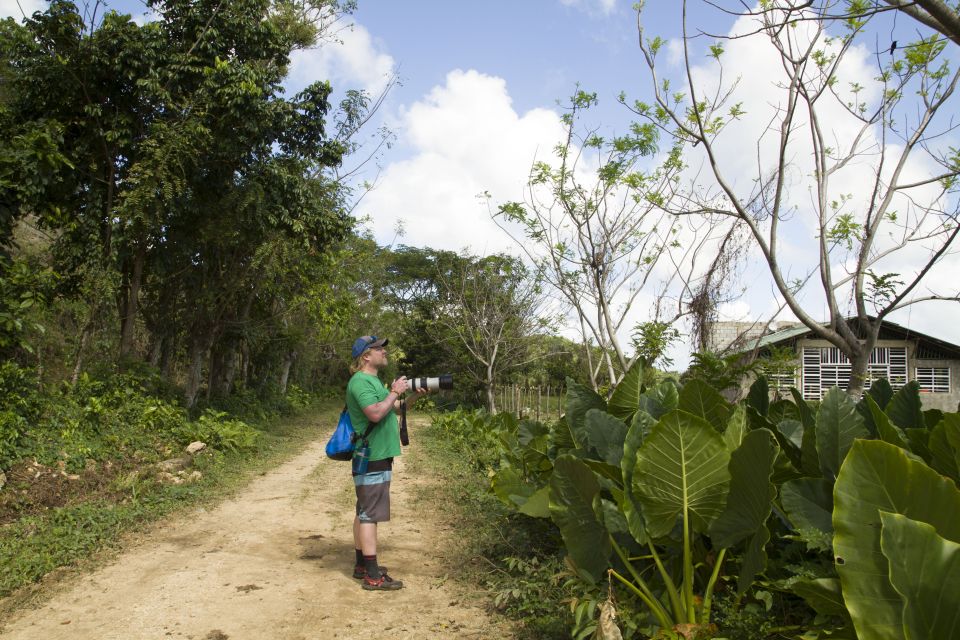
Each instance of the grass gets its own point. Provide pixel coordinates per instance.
(513, 561)
(77, 535)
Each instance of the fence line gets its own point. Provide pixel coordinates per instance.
(532, 401)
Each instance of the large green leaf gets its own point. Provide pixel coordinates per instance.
(809, 458)
(838, 425)
(737, 428)
(640, 428)
(925, 571)
(751, 493)
(905, 408)
(758, 396)
(626, 397)
(881, 392)
(807, 415)
(919, 439)
(787, 448)
(783, 410)
(875, 477)
(642, 425)
(886, 430)
(792, 430)
(538, 504)
(605, 434)
(681, 469)
(610, 515)
(932, 417)
(561, 437)
(509, 486)
(605, 471)
(700, 399)
(945, 446)
(580, 399)
(573, 487)
(660, 399)
(808, 503)
(822, 594)
(754, 560)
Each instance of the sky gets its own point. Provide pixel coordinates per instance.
(477, 103)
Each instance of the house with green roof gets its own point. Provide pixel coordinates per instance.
(794, 357)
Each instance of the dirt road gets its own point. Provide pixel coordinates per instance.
(273, 562)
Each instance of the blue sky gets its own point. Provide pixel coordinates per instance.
(477, 104)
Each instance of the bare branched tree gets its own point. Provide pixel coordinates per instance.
(596, 223)
(853, 172)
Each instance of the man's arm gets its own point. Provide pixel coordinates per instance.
(377, 411)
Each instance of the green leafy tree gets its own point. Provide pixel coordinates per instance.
(491, 308)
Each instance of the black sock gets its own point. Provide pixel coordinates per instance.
(359, 557)
(373, 569)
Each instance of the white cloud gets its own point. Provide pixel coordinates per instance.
(17, 9)
(354, 61)
(145, 17)
(605, 7)
(674, 51)
(466, 139)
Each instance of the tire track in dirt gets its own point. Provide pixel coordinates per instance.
(275, 561)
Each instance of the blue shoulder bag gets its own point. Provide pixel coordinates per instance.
(343, 442)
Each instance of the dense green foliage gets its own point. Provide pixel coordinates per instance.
(178, 205)
(90, 465)
(761, 519)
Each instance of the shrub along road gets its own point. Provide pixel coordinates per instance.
(275, 561)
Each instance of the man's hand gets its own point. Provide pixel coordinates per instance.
(419, 392)
(400, 386)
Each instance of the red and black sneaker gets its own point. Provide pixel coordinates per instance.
(383, 583)
(360, 571)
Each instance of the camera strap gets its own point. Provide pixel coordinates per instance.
(404, 437)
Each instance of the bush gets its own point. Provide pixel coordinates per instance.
(475, 434)
(219, 432)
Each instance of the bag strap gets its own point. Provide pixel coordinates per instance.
(366, 433)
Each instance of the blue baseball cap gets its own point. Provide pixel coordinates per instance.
(363, 343)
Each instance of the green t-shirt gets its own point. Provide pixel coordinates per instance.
(364, 390)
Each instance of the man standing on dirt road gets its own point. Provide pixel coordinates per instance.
(368, 401)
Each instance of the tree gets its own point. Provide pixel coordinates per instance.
(882, 182)
(596, 226)
(934, 14)
(492, 307)
(171, 149)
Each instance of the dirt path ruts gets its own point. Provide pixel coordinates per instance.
(273, 562)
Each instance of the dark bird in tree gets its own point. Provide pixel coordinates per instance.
(893, 47)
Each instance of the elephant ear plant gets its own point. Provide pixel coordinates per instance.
(664, 489)
(657, 479)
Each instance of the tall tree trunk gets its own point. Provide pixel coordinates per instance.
(491, 396)
(199, 346)
(84, 341)
(285, 370)
(859, 352)
(169, 348)
(244, 362)
(128, 319)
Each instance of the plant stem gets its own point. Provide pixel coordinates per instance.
(688, 572)
(651, 601)
(678, 608)
(708, 595)
(654, 606)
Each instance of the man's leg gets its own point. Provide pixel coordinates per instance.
(373, 506)
(365, 536)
